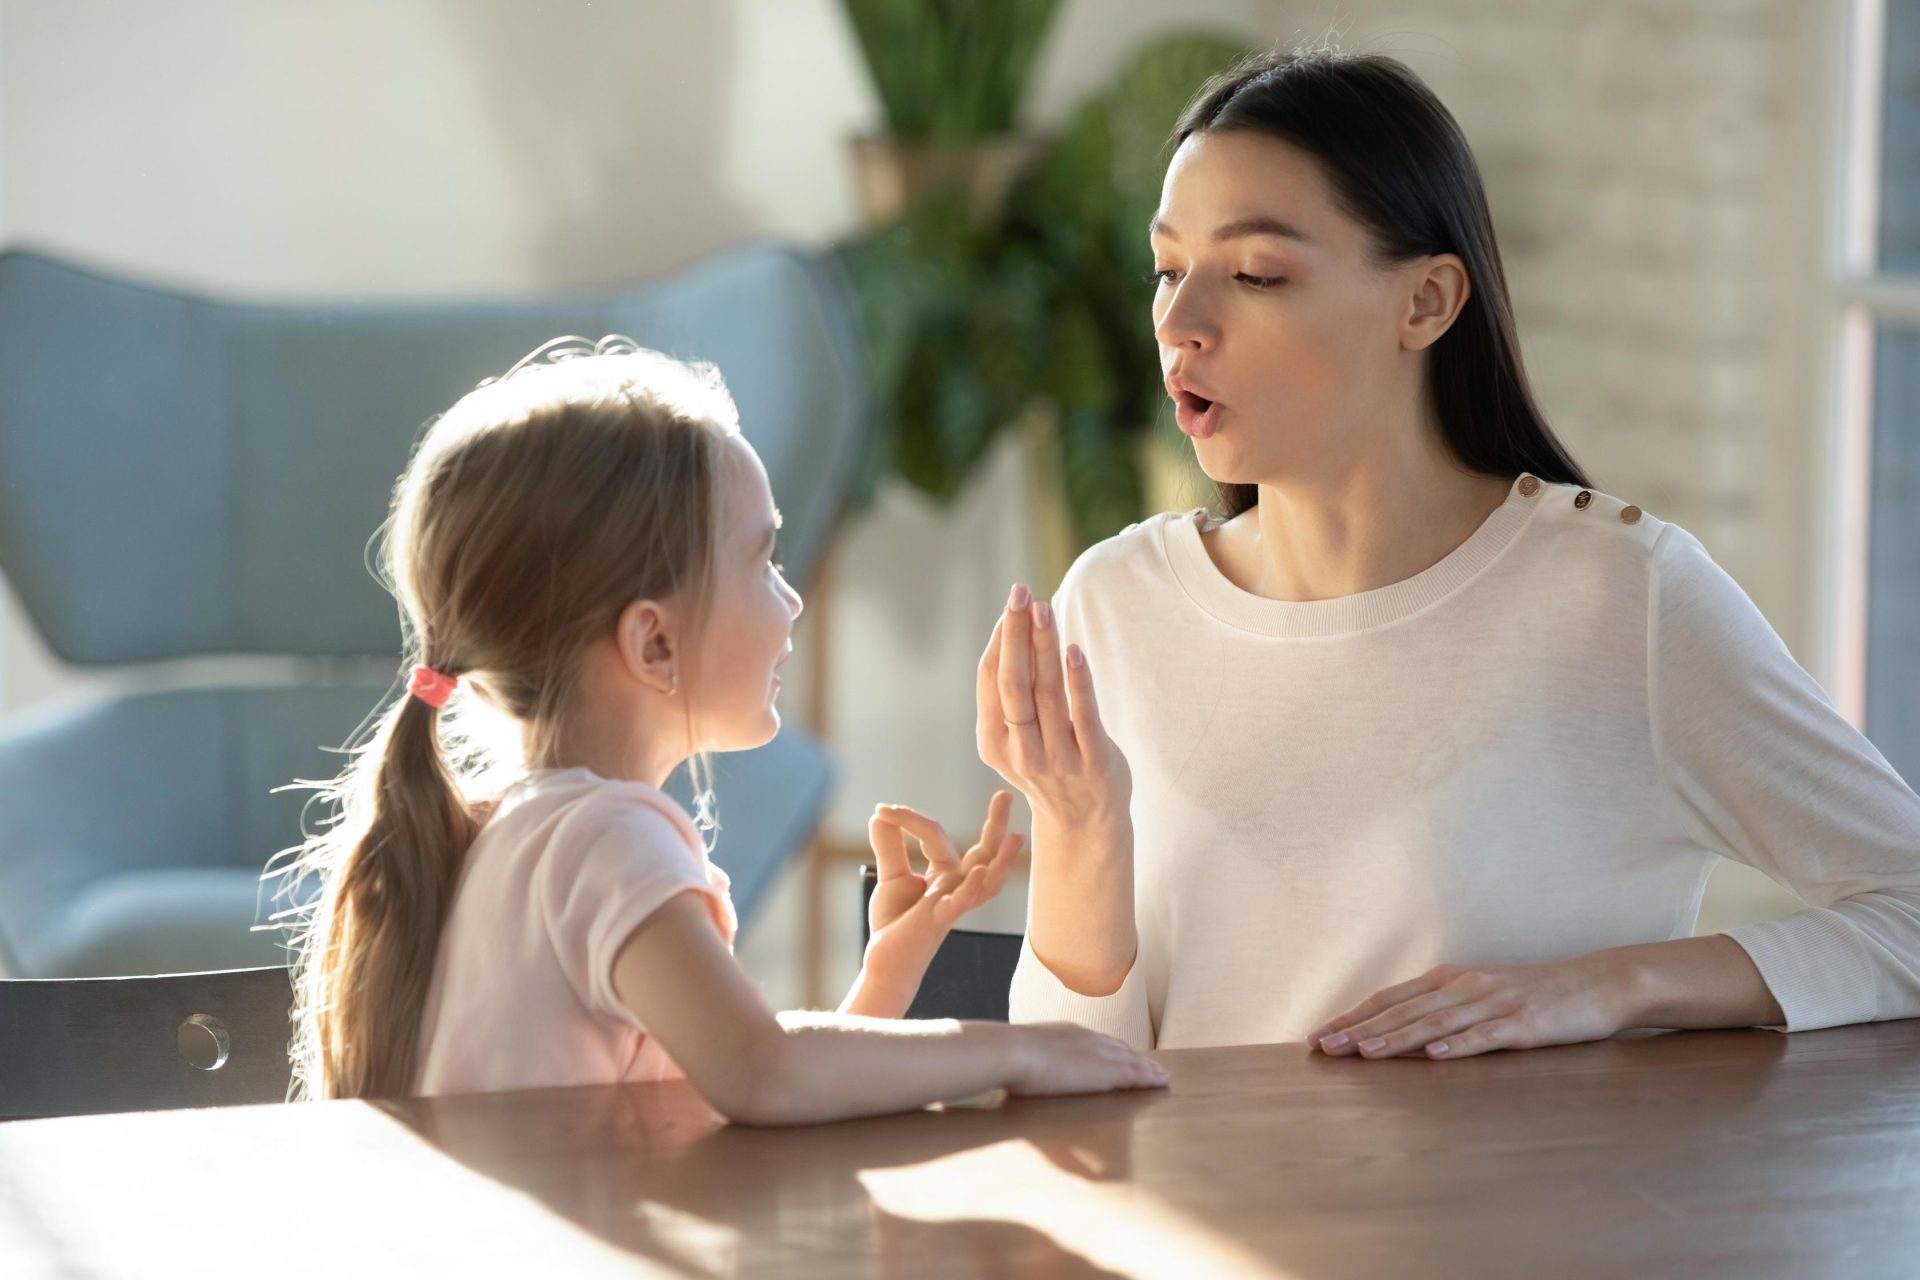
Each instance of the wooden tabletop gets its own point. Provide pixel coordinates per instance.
(1689, 1155)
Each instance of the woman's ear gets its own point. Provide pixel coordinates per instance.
(1440, 290)
(648, 643)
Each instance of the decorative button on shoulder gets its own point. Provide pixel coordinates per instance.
(1583, 500)
(1630, 515)
(1529, 485)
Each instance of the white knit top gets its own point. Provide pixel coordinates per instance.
(1533, 749)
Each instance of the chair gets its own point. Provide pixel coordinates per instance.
(194, 477)
(970, 974)
(89, 1045)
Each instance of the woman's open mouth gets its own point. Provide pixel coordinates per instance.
(1198, 416)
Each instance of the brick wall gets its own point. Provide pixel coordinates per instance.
(1655, 172)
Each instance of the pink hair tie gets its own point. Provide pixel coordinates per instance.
(431, 687)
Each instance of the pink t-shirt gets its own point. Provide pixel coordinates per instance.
(567, 867)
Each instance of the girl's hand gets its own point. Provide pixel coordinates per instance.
(1059, 1057)
(910, 913)
(1453, 1012)
(1040, 729)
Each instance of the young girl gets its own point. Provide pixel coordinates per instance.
(583, 553)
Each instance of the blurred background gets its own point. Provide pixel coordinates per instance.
(1709, 209)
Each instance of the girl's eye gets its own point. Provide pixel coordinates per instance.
(1259, 282)
(1162, 275)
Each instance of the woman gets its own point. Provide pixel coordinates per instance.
(1418, 745)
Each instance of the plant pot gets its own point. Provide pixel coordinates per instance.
(891, 173)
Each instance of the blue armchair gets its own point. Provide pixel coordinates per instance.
(183, 476)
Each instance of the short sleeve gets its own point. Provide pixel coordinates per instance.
(606, 870)
(1767, 772)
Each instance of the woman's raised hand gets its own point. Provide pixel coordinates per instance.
(1039, 724)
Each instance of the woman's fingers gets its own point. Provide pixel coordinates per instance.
(1016, 677)
(1049, 688)
(990, 727)
(1085, 707)
(1484, 1037)
(1377, 1003)
(1413, 1024)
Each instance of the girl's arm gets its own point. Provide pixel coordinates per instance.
(679, 980)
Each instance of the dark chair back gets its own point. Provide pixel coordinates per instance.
(970, 975)
(77, 1046)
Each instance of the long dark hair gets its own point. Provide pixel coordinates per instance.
(1399, 165)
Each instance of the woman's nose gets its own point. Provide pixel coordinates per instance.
(1183, 323)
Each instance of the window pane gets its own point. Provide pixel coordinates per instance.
(1900, 142)
(1893, 554)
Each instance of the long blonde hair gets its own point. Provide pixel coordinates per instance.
(531, 514)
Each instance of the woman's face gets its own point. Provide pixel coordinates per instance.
(1283, 344)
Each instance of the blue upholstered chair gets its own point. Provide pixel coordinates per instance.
(185, 476)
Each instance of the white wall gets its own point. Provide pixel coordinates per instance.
(1653, 170)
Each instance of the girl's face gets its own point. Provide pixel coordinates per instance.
(748, 632)
(1280, 339)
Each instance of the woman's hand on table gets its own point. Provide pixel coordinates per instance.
(1452, 1011)
(1039, 723)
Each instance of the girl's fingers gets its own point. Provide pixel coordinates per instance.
(888, 844)
(963, 898)
(994, 829)
(934, 843)
(1049, 687)
(1016, 677)
(1002, 865)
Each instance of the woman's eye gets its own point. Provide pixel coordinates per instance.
(1162, 275)
(1259, 282)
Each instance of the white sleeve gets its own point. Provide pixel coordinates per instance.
(1768, 773)
(1038, 996)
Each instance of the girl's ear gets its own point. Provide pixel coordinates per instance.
(1440, 290)
(648, 644)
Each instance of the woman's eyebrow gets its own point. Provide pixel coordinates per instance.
(1262, 225)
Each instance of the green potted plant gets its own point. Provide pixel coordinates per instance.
(980, 307)
(950, 75)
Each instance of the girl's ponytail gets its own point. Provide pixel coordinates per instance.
(395, 856)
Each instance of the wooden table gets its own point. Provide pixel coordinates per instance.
(1702, 1154)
